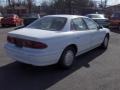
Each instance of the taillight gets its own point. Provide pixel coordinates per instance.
(10, 39)
(34, 44)
(26, 43)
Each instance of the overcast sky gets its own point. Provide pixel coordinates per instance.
(110, 2)
(114, 2)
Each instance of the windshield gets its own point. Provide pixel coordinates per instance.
(49, 23)
(96, 16)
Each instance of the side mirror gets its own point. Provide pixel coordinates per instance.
(100, 27)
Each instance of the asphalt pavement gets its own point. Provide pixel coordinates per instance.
(96, 70)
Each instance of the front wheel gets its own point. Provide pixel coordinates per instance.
(105, 42)
(67, 58)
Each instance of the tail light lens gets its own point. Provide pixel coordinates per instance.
(34, 44)
(10, 39)
(26, 43)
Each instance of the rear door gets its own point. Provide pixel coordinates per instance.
(82, 34)
(97, 35)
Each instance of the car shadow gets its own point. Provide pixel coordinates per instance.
(17, 77)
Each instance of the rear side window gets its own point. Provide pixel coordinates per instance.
(91, 24)
(78, 24)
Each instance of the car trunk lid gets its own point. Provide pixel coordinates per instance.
(33, 34)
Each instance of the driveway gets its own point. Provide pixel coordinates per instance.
(95, 70)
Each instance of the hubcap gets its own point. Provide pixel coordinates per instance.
(69, 57)
(106, 42)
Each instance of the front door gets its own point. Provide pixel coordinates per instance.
(97, 34)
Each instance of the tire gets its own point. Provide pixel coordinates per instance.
(67, 58)
(2, 25)
(104, 45)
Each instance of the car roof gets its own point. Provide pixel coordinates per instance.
(95, 14)
(66, 16)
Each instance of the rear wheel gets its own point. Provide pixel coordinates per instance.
(67, 58)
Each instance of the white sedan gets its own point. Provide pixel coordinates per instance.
(56, 39)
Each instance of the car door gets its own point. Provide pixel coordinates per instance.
(82, 37)
(97, 35)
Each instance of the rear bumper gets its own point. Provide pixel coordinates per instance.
(7, 23)
(36, 59)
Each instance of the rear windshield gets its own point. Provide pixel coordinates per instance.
(49, 23)
(96, 16)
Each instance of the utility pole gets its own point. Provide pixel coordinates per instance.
(101, 3)
(106, 1)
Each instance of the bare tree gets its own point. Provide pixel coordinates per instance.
(103, 4)
(106, 1)
(9, 2)
(71, 6)
(30, 4)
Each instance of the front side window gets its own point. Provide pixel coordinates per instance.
(91, 24)
(49, 23)
(78, 24)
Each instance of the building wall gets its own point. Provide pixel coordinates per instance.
(113, 9)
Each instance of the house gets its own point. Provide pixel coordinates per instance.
(112, 9)
(17, 10)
